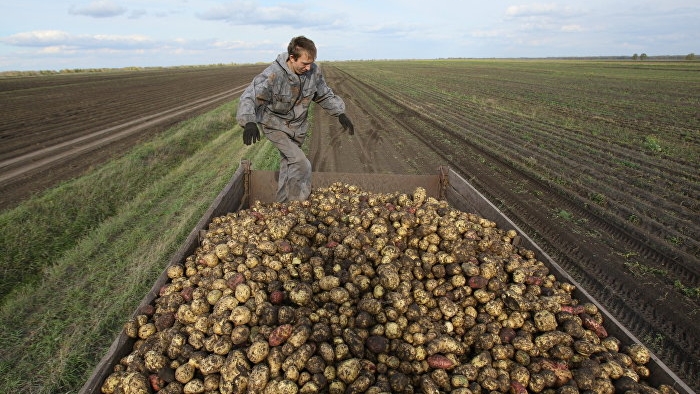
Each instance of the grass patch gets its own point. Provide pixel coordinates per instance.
(34, 234)
(652, 144)
(566, 215)
(640, 269)
(598, 198)
(57, 324)
(655, 342)
(690, 292)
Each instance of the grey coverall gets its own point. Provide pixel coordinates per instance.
(279, 100)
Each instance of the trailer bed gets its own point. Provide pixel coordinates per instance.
(248, 185)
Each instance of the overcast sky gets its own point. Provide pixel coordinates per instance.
(56, 34)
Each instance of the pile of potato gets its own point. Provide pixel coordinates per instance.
(357, 292)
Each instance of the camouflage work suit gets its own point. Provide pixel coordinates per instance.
(278, 99)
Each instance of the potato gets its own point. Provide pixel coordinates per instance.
(287, 387)
(155, 361)
(299, 335)
(211, 364)
(445, 344)
(184, 373)
(112, 381)
(638, 353)
(348, 370)
(240, 315)
(258, 378)
(441, 362)
(301, 294)
(235, 363)
(194, 386)
(258, 351)
(131, 329)
(280, 334)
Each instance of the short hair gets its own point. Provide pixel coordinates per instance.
(299, 44)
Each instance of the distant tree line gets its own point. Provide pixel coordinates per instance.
(643, 56)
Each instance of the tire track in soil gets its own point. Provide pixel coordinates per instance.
(370, 150)
(631, 302)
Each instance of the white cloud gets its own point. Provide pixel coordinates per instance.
(39, 38)
(136, 14)
(572, 28)
(56, 38)
(99, 9)
(53, 50)
(244, 45)
(530, 10)
(539, 10)
(241, 12)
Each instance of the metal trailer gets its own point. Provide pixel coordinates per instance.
(248, 185)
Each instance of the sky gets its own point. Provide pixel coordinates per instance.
(80, 34)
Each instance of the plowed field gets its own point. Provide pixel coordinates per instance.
(53, 128)
(597, 162)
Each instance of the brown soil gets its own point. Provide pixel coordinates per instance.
(55, 128)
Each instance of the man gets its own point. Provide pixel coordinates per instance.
(278, 99)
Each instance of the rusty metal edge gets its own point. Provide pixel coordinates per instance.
(263, 184)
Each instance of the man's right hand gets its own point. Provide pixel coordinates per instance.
(251, 134)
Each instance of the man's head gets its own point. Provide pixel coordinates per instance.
(302, 54)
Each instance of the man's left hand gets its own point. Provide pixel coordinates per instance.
(346, 123)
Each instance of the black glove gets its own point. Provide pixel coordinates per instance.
(251, 134)
(346, 123)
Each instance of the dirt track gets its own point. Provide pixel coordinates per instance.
(40, 148)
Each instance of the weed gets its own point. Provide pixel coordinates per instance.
(598, 198)
(692, 292)
(676, 240)
(640, 269)
(655, 342)
(561, 181)
(593, 234)
(566, 215)
(628, 255)
(520, 188)
(627, 163)
(651, 144)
